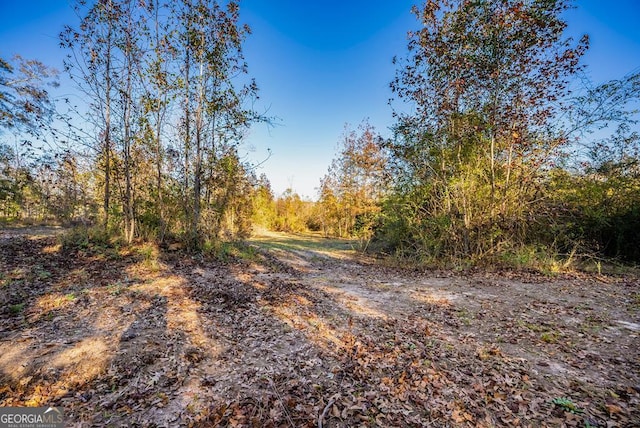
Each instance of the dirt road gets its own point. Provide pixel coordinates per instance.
(302, 331)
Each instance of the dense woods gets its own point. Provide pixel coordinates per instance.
(502, 152)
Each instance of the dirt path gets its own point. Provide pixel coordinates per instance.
(304, 332)
(32, 232)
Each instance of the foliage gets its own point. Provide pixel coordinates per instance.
(264, 206)
(88, 238)
(170, 101)
(486, 80)
(26, 110)
(506, 154)
(567, 405)
(354, 184)
(597, 212)
(25, 103)
(16, 309)
(293, 214)
(601, 199)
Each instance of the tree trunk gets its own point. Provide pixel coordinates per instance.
(128, 205)
(107, 131)
(187, 137)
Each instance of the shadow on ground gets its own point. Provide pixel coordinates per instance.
(304, 335)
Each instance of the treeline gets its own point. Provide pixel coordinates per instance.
(502, 152)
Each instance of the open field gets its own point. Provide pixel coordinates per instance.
(303, 332)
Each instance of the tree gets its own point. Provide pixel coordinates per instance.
(264, 209)
(351, 190)
(487, 79)
(129, 30)
(595, 200)
(90, 63)
(25, 104)
(165, 79)
(292, 213)
(215, 112)
(159, 91)
(26, 111)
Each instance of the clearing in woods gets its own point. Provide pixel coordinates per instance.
(301, 331)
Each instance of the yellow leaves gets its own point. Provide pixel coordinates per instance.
(484, 353)
(52, 249)
(499, 396)
(335, 411)
(38, 397)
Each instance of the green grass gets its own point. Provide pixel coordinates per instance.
(635, 301)
(42, 273)
(92, 238)
(17, 308)
(308, 242)
(546, 334)
(549, 337)
(536, 328)
(567, 405)
(116, 289)
(465, 316)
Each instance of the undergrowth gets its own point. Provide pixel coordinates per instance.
(89, 238)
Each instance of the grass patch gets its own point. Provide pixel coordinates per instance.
(635, 301)
(43, 274)
(147, 252)
(230, 251)
(465, 316)
(540, 259)
(17, 308)
(116, 289)
(594, 323)
(307, 242)
(536, 328)
(549, 337)
(545, 333)
(149, 255)
(567, 405)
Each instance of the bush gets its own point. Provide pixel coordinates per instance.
(84, 238)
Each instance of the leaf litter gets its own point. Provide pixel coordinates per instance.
(299, 339)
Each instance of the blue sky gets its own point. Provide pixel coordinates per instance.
(321, 64)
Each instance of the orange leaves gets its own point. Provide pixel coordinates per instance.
(613, 409)
(460, 417)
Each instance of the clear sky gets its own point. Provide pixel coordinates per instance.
(321, 64)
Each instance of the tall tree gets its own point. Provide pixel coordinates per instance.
(25, 104)
(487, 79)
(161, 77)
(26, 111)
(159, 91)
(216, 91)
(90, 63)
(127, 87)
